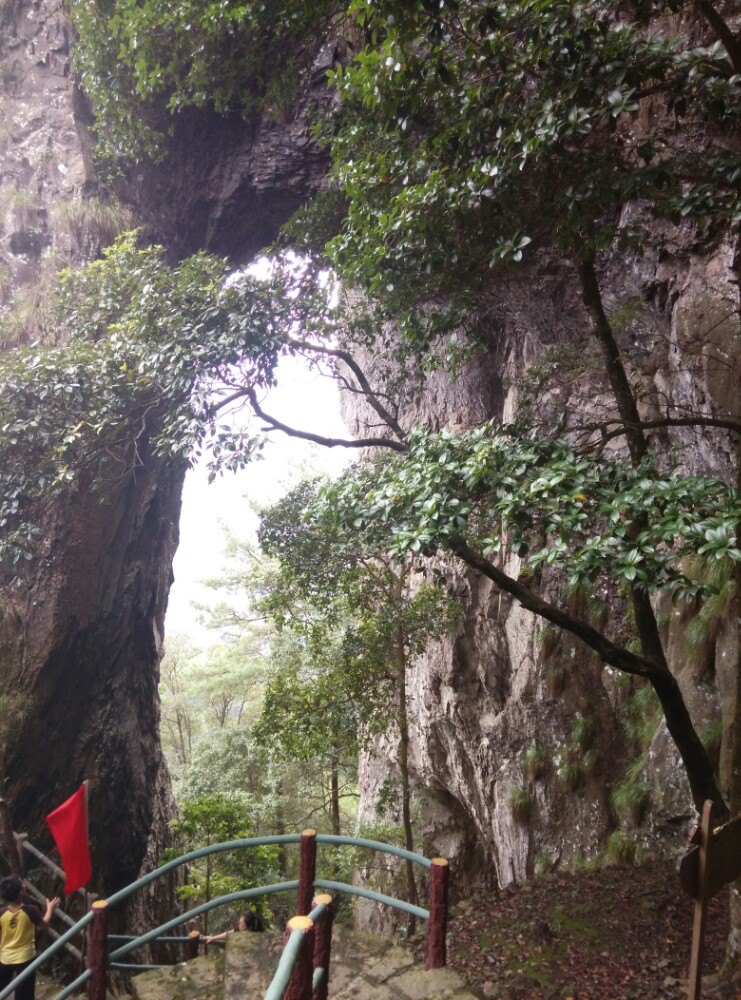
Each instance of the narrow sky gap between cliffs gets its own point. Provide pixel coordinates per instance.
(303, 398)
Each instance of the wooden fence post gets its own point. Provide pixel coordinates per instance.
(191, 945)
(323, 944)
(437, 925)
(300, 986)
(306, 872)
(97, 957)
(701, 904)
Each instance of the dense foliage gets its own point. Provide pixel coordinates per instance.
(455, 118)
(151, 358)
(234, 56)
(470, 135)
(538, 497)
(216, 819)
(462, 117)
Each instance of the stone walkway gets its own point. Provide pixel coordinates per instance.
(363, 968)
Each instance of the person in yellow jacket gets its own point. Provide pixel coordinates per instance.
(18, 924)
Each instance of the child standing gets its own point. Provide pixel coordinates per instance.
(18, 923)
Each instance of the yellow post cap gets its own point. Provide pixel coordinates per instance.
(300, 923)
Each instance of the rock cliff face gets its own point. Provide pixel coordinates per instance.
(504, 685)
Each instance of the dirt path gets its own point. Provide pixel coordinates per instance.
(614, 934)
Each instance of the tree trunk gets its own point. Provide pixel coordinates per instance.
(280, 828)
(694, 756)
(696, 762)
(12, 851)
(335, 801)
(731, 770)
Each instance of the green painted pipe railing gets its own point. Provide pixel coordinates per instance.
(318, 978)
(288, 959)
(126, 892)
(373, 845)
(137, 942)
(212, 904)
(376, 897)
(74, 986)
(132, 967)
(180, 938)
(122, 894)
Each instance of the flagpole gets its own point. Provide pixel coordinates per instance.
(83, 947)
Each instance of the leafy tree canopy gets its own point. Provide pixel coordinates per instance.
(455, 118)
(233, 55)
(461, 117)
(214, 819)
(340, 587)
(592, 515)
(150, 358)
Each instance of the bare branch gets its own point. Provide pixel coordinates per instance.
(388, 418)
(326, 442)
(727, 423)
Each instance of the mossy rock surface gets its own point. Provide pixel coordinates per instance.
(201, 978)
(251, 961)
(365, 967)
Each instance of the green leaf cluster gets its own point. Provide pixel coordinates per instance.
(147, 353)
(234, 55)
(594, 516)
(472, 133)
(214, 819)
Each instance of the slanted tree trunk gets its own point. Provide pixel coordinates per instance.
(280, 828)
(731, 771)
(694, 756)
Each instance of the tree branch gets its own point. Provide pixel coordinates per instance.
(607, 435)
(388, 418)
(616, 656)
(327, 442)
(722, 29)
(694, 755)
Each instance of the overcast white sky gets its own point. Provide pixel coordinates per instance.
(303, 399)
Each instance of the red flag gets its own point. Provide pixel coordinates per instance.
(68, 825)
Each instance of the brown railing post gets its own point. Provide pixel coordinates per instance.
(701, 903)
(300, 985)
(191, 945)
(306, 872)
(323, 944)
(97, 956)
(437, 925)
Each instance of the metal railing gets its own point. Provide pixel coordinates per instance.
(303, 970)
